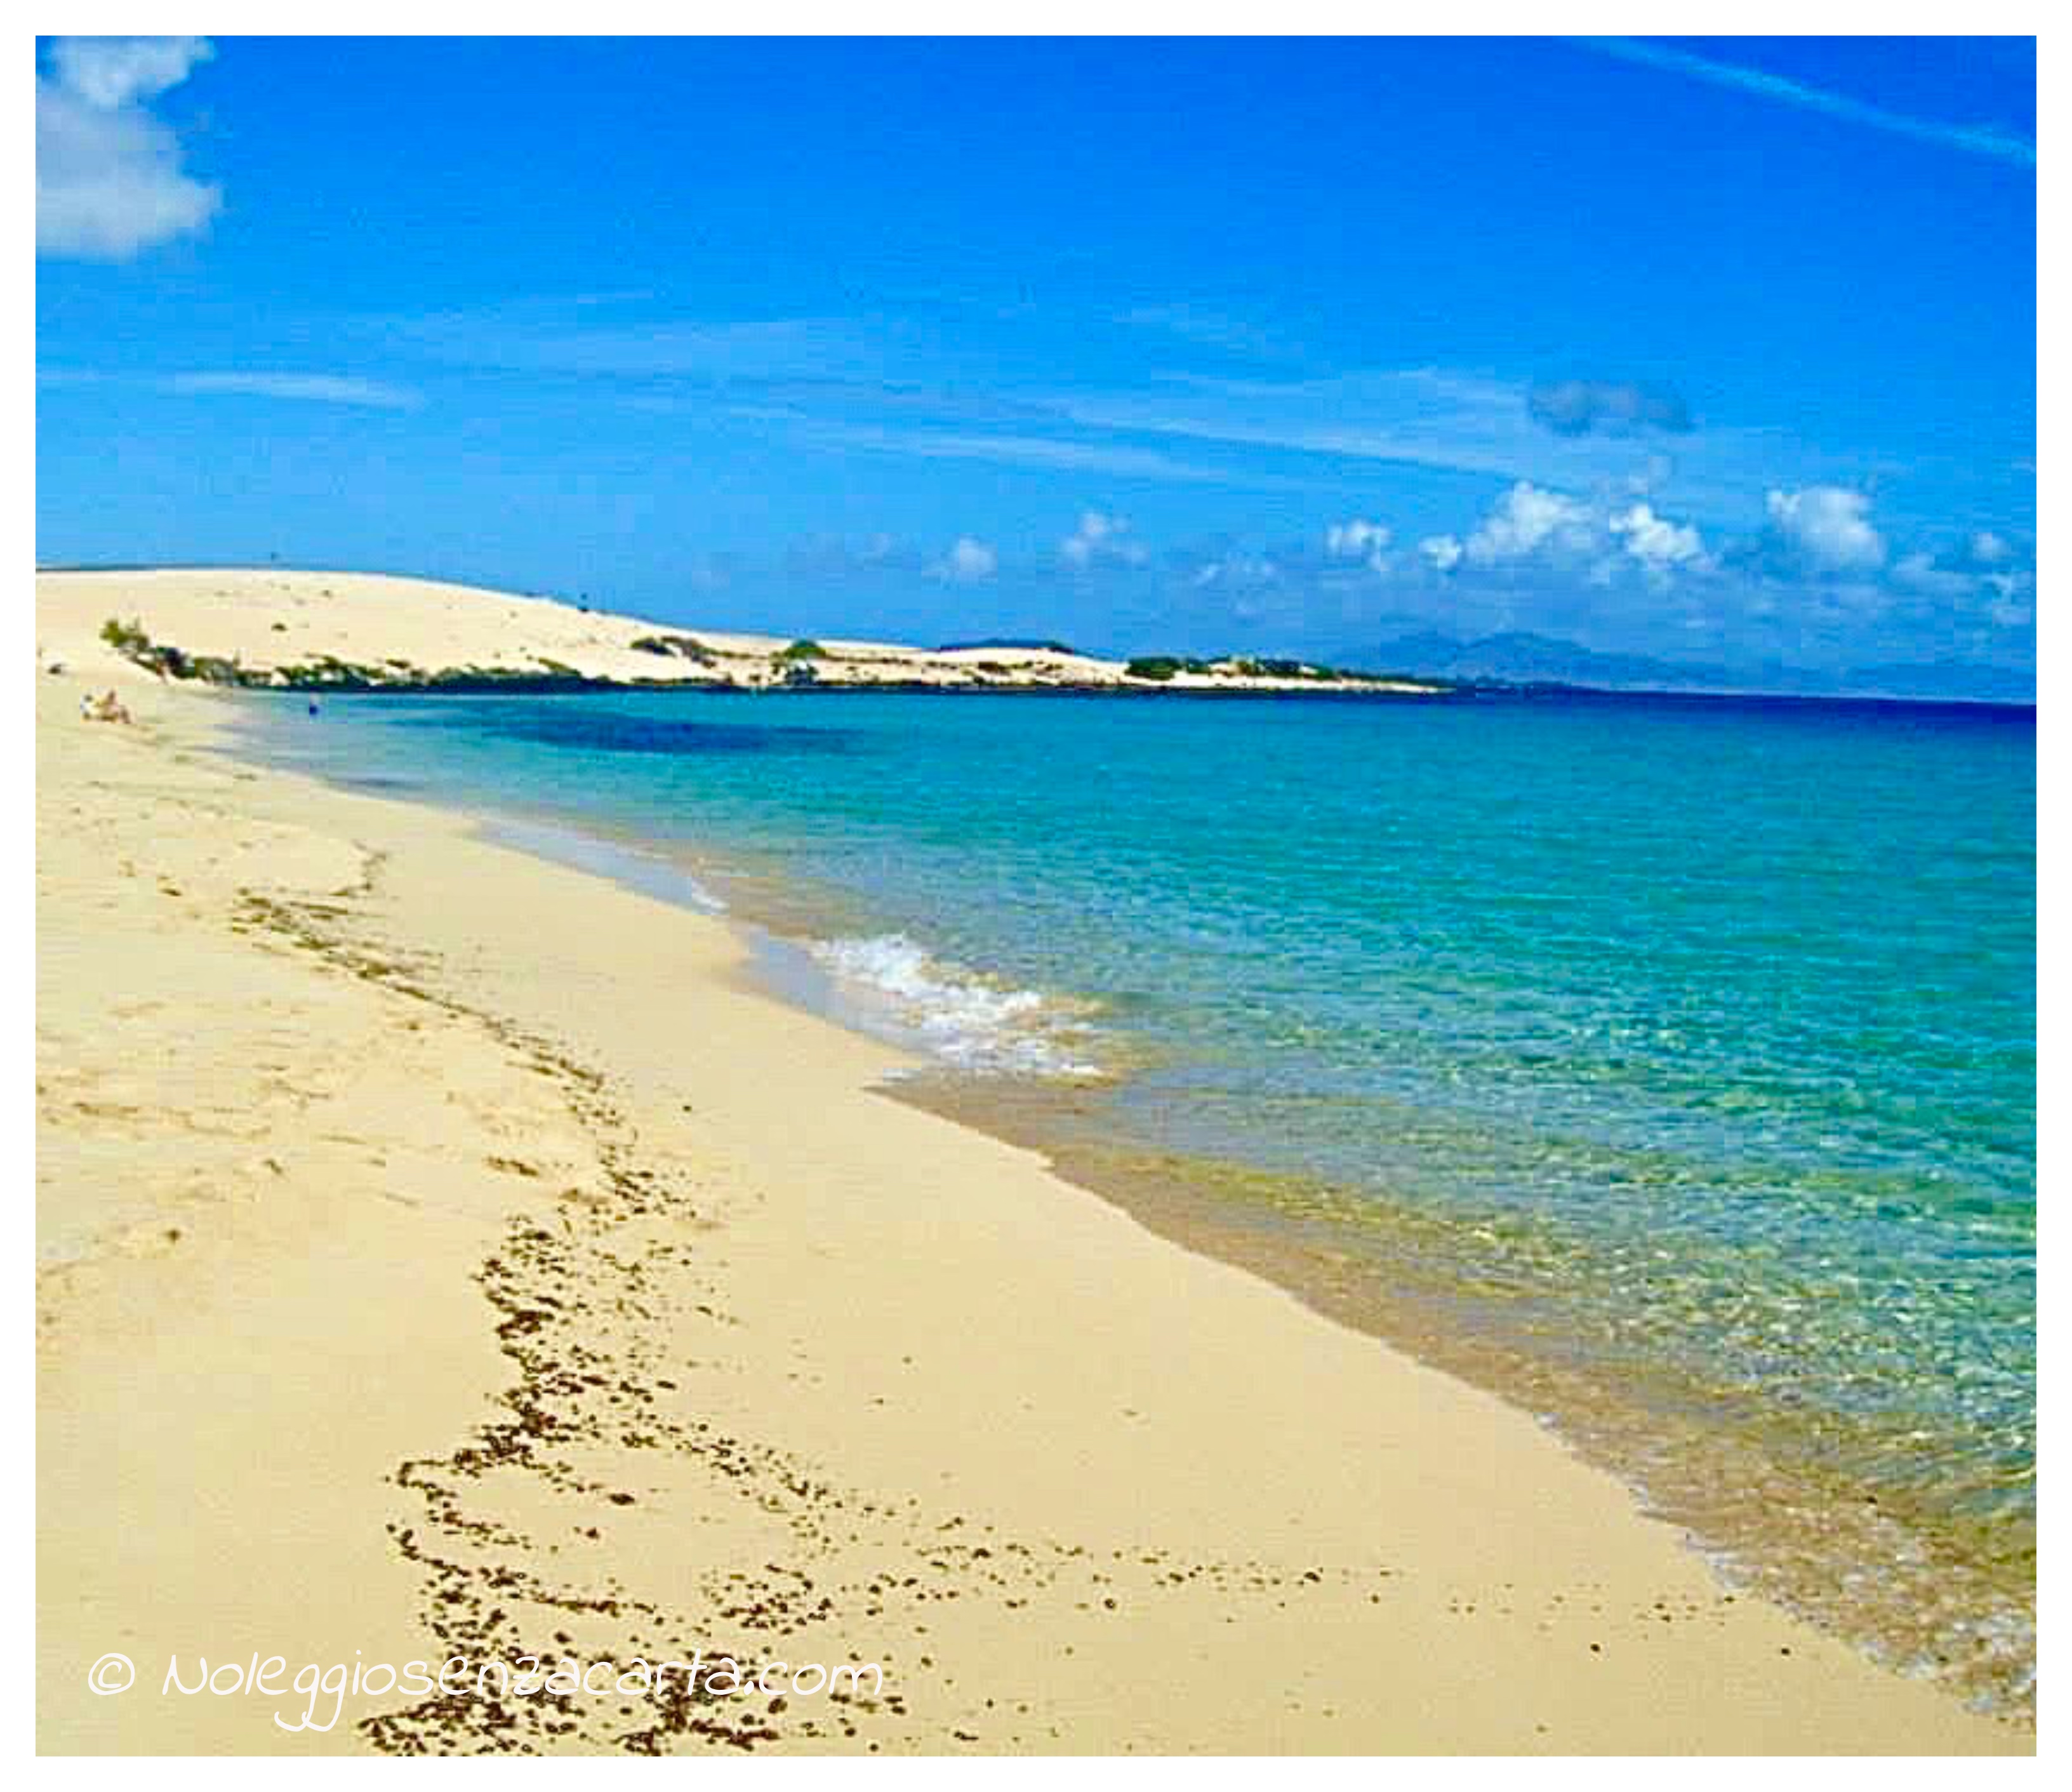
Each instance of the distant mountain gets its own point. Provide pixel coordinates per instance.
(1524, 659)
(1519, 658)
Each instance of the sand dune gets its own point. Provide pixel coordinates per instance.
(262, 620)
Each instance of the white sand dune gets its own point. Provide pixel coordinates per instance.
(266, 619)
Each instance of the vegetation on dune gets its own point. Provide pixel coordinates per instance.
(1007, 643)
(1163, 667)
(677, 647)
(794, 666)
(325, 672)
(129, 640)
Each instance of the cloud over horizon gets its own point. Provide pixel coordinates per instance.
(1826, 528)
(1101, 538)
(968, 560)
(1529, 520)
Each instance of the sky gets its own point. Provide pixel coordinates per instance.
(1720, 350)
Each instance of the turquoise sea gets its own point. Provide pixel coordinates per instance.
(1669, 1063)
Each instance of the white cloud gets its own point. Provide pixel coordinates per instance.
(315, 389)
(2014, 600)
(1100, 537)
(967, 561)
(1662, 547)
(1918, 572)
(1239, 569)
(2004, 146)
(1357, 539)
(1528, 521)
(112, 72)
(109, 180)
(1531, 526)
(1981, 570)
(1829, 527)
(1119, 460)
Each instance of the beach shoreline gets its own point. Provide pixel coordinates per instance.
(571, 1214)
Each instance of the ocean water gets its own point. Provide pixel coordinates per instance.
(1668, 1063)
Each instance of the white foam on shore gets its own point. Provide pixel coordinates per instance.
(884, 984)
(956, 1016)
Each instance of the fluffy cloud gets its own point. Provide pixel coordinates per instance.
(1529, 520)
(1101, 538)
(1661, 547)
(1550, 530)
(1827, 528)
(1443, 551)
(113, 72)
(1583, 407)
(109, 180)
(1357, 539)
(967, 561)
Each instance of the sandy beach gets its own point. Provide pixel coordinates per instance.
(443, 1254)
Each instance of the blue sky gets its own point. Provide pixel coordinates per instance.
(1718, 350)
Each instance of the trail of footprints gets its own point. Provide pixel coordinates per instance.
(586, 1400)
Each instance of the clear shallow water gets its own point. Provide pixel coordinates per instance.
(1698, 1034)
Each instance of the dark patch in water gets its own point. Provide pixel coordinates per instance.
(587, 729)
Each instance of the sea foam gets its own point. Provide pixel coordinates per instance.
(957, 1016)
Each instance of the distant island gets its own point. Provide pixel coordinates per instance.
(1516, 658)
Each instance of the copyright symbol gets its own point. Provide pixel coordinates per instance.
(111, 1674)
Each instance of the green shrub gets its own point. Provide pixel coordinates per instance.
(127, 639)
(681, 647)
(804, 650)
